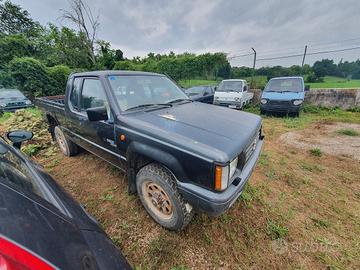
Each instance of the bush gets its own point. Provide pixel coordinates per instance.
(30, 76)
(58, 75)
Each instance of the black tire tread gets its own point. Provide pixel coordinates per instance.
(168, 177)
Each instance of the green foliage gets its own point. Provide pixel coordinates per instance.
(316, 152)
(276, 231)
(58, 75)
(15, 20)
(30, 76)
(31, 149)
(13, 46)
(348, 132)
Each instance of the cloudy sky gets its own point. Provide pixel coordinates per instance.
(274, 28)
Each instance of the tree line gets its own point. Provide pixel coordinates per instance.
(38, 59)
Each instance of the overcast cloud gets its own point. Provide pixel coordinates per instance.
(272, 27)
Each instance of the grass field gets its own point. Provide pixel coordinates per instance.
(260, 82)
(300, 209)
(335, 82)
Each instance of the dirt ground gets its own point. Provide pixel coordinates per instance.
(299, 210)
(327, 138)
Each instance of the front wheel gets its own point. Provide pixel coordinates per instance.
(158, 193)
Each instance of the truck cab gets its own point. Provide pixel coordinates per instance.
(232, 93)
(283, 95)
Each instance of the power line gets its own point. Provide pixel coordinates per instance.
(313, 53)
(295, 49)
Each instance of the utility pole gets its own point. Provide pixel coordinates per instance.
(302, 64)
(252, 77)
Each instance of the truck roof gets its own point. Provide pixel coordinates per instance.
(114, 72)
(288, 77)
(229, 80)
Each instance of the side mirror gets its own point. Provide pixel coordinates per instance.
(19, 136)
(205, 93)
(215, 88)
(97, 114)
(307, 87)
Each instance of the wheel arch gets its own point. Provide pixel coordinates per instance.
(139, 155)
(52, 124)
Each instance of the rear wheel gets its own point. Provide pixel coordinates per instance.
(158, 193)
(67, 147)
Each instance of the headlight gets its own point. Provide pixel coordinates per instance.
(216, 97)
(224, 174)
(297, 102)
(263, 101)
(27, 102)
(237, 99)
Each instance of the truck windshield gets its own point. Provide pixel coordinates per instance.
(142, 91)
(285, 85)
(196, 90)
(225, 86)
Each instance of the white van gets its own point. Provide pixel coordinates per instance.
(233, 94)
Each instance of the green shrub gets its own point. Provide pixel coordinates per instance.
(30, 76)
(58, 75)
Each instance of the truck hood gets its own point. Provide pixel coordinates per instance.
(228, 95)
(283, 95)
(213, 132)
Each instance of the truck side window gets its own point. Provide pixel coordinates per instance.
(92, 94)
(75, 93)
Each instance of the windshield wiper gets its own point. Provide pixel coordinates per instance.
(149, 105)
(179, 100)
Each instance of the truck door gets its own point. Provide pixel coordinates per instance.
(97, 137)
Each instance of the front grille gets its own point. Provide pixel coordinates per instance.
(249, 150)
(279, 102)
(12, 104)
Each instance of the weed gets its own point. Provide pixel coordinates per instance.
(311, 167)
(348, 132)
(108, 197)
(321, 223)
(271, 174)
(276, 231)
(4, 117)
(316, 152)
(31, 149)
(208, 238)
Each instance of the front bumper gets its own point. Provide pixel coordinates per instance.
(14, 108)
(287, 107)
(215, 203)
(226, 103)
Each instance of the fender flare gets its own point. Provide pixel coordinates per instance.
(151, 154)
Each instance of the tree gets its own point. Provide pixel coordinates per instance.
(12, 46)
(88, 24)
(15, 20)
(64, 46)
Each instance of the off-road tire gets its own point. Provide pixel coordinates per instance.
(67, 147)
(157, 175)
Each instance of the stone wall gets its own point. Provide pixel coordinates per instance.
(342, 98)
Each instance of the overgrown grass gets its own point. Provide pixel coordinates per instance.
(4, 117)
(348, 132)
(195, 82)
(276, 231)
(335, 82)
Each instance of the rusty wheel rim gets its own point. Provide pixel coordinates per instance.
(61, 140)
(157, 199)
